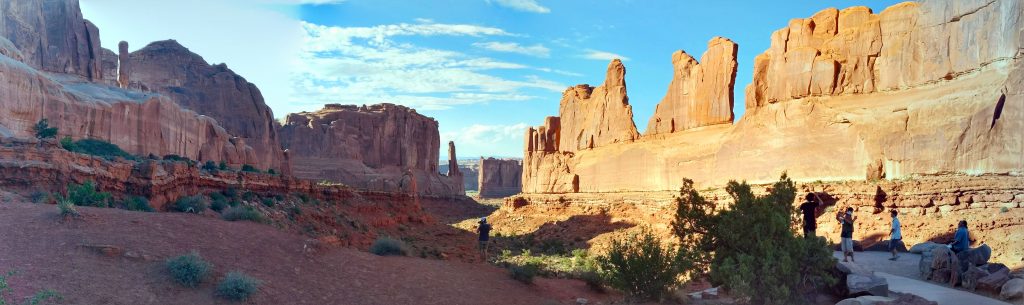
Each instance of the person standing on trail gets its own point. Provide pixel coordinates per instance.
(485, 235)
(895, 234)
(846, 235)
(810, 208)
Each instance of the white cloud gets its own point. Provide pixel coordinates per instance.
(367, 65)
(602, 55)
(536, 50)
(530, 6)
(487, 140)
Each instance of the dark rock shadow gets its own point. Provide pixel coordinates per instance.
(453, 210)
(563, 236)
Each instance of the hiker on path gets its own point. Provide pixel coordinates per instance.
(810, 208)
(485, 235)
(895, 234)
(846, 235)
(962, 239)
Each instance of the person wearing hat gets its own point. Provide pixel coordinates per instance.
(484, 229)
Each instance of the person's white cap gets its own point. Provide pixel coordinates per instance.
(483, 219)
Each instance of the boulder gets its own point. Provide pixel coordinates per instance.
(925, 247)
(969, 280)
(980, 255)
(995, 280)
(1012, 289)
(865, 300)
(859, 284)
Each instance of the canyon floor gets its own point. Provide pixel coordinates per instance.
(112, 256)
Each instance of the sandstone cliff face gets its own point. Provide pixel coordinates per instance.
(52, 36)
(375, 147)
(700, 93)
(170, 69)
(593, 117)
(500, 177)
(51, 66)
(843, 95)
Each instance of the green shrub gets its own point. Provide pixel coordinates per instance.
(249, 196)
(237, 286)
(269, 202)
(271, 171)
(640, 266)
(242, 213)
(218, 205)
(189, 270)
(40, 297)
(43, 130)
(386, 246)
(231, 192)
(1004, 210)
(85, 194)
(751, 230)
(67, 208)
(190, 204)
(39, 197)
(209, 166)
(95, 147)
(222, 166)
(249, 168)
(524, 272)
(136, 203)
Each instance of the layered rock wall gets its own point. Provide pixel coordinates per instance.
(375, 147)
(186, 78)
(700, 93)
(921, 89)
(53, 36)
(500, 177)
(593, 117)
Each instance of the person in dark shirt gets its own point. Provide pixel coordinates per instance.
(485, 235)
(810, 208)
(846, 235)
(962, 239)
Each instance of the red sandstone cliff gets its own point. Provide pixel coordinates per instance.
(921, 89)
(51, 66)
(374, 147)
(593, 117)
(500, 177)
(215, 91)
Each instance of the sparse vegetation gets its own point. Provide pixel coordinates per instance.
(43, 130)
(524, 272)
(137, 203)
(237, 286)
(40, 197)
(222, 166)
(45, 296)
(86, 194)
(191, 204)
(268, 202)
(640, 266)
(209, 166)
(95, 147)
(67, 208)
(177, 158)
(386, 246)
(271, 171)
(243, 213)
(1004, 210)
(189, 270)
(249, 168)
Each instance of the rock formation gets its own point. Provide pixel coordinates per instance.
(470, 170)
(51, 66)
(52, 36)
(593, 117)
(927, 88)
(369, 147)
(124, 70)
(453, 162)
(500, 177)
(700, 93)
(170, 69)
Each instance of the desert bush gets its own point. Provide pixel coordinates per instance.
(39, 197)
(95, 147)
(209, 166)
(524, 272)
(1004, 210)
(249, 196)
(386, 246)
(249, 168)
(137, 203)
(237, 286)
(242, 213)
(177, 158)
(43, 130)
(44, 296)
(222, 166)
(271, 171)
(218, 205)
(85, 194)
(190, 204)
(67, 208)
(745, 234)
(269, 202)
(189, 270)
(640, 266)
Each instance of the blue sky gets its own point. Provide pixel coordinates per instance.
(485, 69)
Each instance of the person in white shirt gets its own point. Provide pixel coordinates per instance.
(895, 234)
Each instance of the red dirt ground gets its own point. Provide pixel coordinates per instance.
(51, 253)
